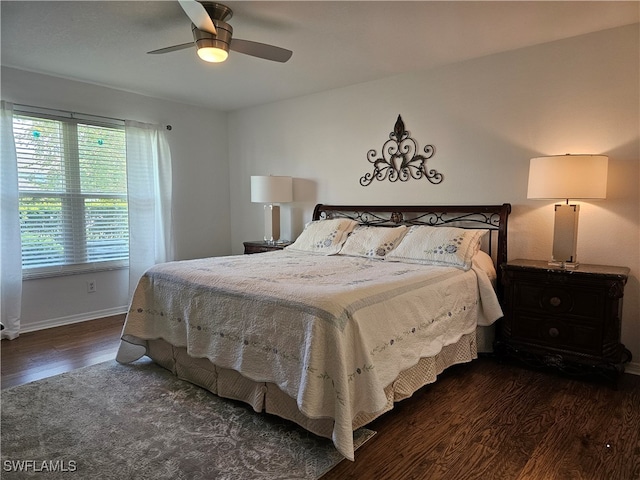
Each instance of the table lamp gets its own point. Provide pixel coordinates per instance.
(569, 177)
(271, 190)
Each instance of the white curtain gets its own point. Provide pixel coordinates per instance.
(149, 193)
(10, 244)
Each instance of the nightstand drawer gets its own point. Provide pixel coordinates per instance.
(259, 249)
(566, 300)
(560, 334)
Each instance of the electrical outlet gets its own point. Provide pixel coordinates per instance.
(91, 286)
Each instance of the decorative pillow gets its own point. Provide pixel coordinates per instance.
(324, 236)
(373, 242)
(451, 246)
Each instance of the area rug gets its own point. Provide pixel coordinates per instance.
(138, 421)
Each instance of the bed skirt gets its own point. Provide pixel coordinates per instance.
(267, 397)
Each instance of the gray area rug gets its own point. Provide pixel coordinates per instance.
(138, 421)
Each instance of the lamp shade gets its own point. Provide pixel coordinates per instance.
(271, 189)
(568, 176)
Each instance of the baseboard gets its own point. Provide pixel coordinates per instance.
(71, 319)
(632, 368)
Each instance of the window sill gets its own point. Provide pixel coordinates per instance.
(63, 271)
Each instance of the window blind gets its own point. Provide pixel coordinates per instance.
(73, 194)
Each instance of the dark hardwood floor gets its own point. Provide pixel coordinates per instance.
(45, 353)
(488, 420)
(483, 420)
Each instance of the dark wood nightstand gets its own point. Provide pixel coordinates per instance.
(564, 318)
(260, 246)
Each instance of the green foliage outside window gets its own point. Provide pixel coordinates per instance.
(73, 192)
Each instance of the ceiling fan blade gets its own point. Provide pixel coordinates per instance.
(174, 48)
(261, 50)
(198, 15)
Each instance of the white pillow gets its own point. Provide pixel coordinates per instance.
(324, 236)
(484, 262)
(450, 246)
(373, 242)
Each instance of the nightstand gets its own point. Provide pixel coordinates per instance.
(260, 246)
(564, 318)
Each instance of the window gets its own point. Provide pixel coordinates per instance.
(73, 194)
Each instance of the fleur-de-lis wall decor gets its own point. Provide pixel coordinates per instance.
(399, 160)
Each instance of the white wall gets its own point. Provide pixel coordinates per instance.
(198, 142)
(486, 118)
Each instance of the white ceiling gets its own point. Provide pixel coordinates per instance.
(335, 43)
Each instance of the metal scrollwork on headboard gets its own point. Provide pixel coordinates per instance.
(399, 160)
(493, 218)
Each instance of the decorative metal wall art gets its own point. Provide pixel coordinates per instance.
(399, 160)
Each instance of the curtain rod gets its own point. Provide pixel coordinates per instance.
(20, 106)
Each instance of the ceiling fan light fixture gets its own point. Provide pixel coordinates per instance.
(213, 48)
(213, 54)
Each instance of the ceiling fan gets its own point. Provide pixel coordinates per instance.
(212, 35)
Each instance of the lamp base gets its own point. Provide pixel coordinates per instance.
(565, 234)
(563, 265)
(271, 223)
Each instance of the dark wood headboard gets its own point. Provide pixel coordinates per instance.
(486, 217)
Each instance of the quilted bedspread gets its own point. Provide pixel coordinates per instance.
(331, 331)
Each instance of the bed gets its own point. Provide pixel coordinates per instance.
(329, 332)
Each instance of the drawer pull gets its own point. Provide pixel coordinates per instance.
(554, 332)
(555, 301)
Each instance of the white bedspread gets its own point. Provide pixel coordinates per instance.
(331, 331)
